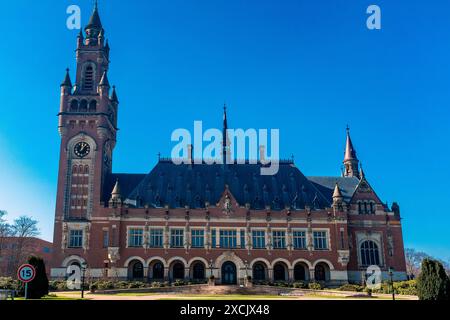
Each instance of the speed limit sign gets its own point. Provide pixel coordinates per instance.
(26, 273)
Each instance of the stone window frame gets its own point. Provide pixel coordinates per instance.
(128, 236)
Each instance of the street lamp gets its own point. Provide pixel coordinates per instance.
(83, 270)
(391, 275)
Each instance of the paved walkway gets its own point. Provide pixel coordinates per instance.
(163, 296)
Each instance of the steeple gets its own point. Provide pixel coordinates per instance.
(94, 27)
(116, 198)
(114, 95)
(350, 159)
(67, 82)
(225, 138)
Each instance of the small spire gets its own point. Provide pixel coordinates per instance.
(159, 156)
(337, 192)
(114, 95)
(80, 34)
(350, 152)
(94, 20)
(361, 171)
(67, 82)
(116, 190)
(104, 80)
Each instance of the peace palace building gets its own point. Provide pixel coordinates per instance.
(189, 221)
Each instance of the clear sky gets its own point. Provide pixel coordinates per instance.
(306, 67)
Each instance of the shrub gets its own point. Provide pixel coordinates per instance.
(351, 287)
(300, 284)
(314, 286)
(57, 285)
(433, 283)
(93, 287)
(8, 283)
(39, 286)
(157, 284)
(178, 283)
(406, 287)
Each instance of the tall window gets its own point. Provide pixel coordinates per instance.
(259, 239)
(369, 253)
(228, 239)
(197, 238)
(176, 238)
(135, 237)
(242, 233)
(320, 240)
(279, 239)
(76, 239)
(88, 83)
(213, 238)
(156, 238)
(299, 240)
(105, 238)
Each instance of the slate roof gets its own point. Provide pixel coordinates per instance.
(127, 182)
(347, 186)
(193, 185)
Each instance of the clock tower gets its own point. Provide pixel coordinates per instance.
(87, 126)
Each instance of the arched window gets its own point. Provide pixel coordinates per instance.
(319, 272)
(199, 271)
(369, 253)
(372, 208)
(83, 106)
(299, 272)
(75, 169)
(178, 271)
(74, 105)
(158, 270)
(93, 106)
(259, 272)
(279, 273)
(88, 80)
(360, 208)
(86, 169)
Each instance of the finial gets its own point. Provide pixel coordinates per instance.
(292, 157)
(159, 156)
(347, 129)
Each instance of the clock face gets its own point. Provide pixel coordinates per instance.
(82, 149)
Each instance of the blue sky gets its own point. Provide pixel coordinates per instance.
(306, 67)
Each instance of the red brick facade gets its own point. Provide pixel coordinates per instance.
(332, 240)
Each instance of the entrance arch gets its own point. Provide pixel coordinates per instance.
(229, 275)
(135, 270)
(280, 272)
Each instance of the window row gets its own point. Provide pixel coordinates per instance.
(228, 238)
(366, 207)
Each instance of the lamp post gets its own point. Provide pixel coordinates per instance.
(83, 270)
(391, 275)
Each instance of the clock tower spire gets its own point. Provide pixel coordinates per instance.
(87, 125)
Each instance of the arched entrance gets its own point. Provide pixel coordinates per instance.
(178, 271)
(198, 271)
(322, 272)
(229, 273)
(157, 269)
(135, 270)
(279, 272)
(300, 272)
(259, 271)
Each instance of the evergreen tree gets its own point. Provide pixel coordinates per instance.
(433, 283)
(39, 286)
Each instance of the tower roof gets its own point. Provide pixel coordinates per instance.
(337, 192)
(94, 20)
(67, 81)
(350, 152)
(116, 189)
(114, 95)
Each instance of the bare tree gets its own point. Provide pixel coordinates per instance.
(413, 261)
(23, 229)
(5, 231)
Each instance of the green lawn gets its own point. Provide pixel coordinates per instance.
(51, 298)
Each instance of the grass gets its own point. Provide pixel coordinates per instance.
(226, 297)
